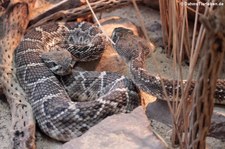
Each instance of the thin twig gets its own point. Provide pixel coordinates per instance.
(96, 19)
(141, 20)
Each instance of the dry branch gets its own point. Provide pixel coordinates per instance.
(14, 22)
(210, 65)
(72, 13)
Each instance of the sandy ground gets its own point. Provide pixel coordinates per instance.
(163, 63)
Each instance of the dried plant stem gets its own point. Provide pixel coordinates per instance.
(141, 20)
(73, 13)
(96, 19)
(172, 29)
(182, 112)
(176, 35)
(211, 62)
(175, 29)
(164, 19)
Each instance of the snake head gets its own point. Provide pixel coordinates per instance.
(127, 45)
(120, 32)
(59, 62)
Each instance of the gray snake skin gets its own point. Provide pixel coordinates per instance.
(67, 108)
(94, 95)
(133, 50)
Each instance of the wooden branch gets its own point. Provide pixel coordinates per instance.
(14, 23)
(77, 11)
(210, 65)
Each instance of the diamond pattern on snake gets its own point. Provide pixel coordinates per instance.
(65, 102)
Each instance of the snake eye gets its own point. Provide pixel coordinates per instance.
(116, 34)
(54, 64)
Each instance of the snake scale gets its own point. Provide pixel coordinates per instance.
(94, 95)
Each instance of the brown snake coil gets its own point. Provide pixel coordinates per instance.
(95, 95)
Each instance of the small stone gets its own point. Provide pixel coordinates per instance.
(155, 26)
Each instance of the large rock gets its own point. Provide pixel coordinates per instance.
(119, 131)
(159, 112)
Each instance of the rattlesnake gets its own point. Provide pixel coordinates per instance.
(56, 114)
(133, 50)
(95, 95)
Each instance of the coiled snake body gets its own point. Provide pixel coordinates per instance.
(95, 95)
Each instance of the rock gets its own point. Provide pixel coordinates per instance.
(217, 128)
(155, 27)
(159, 111)
(119, 131)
